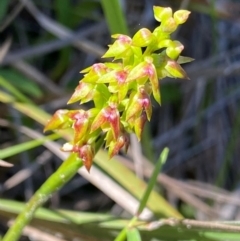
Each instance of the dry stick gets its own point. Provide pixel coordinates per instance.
(11, 16)
(53, 45)
(189, 223)
(201, 192)
(25, 173)
(37, 234)
(5, 164)
(136, 152)
(188, 197)
(4, 49)
(61, 31)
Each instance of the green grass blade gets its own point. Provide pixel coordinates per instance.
(21, 83)
(11, 89)
(114, 16)
(66, 221)
(133, 235)
(13, 150)
(162, 159)
(3, 8)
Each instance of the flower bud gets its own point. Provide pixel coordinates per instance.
(60, 120)
(107, 118)
(80, 125)
(169, 25)
(139, 124)
(181, 16)
(121, 45)
(116, 145)
(175, 70)
(174, 49)
(142, 38)
(162, 14)
(82, 93)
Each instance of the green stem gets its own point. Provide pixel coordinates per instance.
(65, 172)
(123, 234)
(55, 182)
(161, 161)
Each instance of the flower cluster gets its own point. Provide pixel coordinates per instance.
(121, 90)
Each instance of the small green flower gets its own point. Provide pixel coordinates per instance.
(82, 93)
(108, 118)
(181, 16)
(162, 14)
(142, 38)
(119, 48)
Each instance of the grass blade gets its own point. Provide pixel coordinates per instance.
(13, 150)
(114, 16)
(133, 235)
(162, 159)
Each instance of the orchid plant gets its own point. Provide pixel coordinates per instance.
(121, 93)
(121, 90)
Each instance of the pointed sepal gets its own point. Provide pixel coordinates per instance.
(175, 70)
(60, 120)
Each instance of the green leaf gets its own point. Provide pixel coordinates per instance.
(21, 82)
(10, 88)
(114, 16)
(3, 8)
(63, 11)
(175, 70)
(143, 38)
(162, 159)
(133, 235)
(15, 149)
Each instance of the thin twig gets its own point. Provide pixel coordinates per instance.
(194, 224)
(51, 46)
(11, 16)
(136, 152)
(4, 49)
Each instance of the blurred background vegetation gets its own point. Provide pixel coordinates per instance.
(43, 46)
